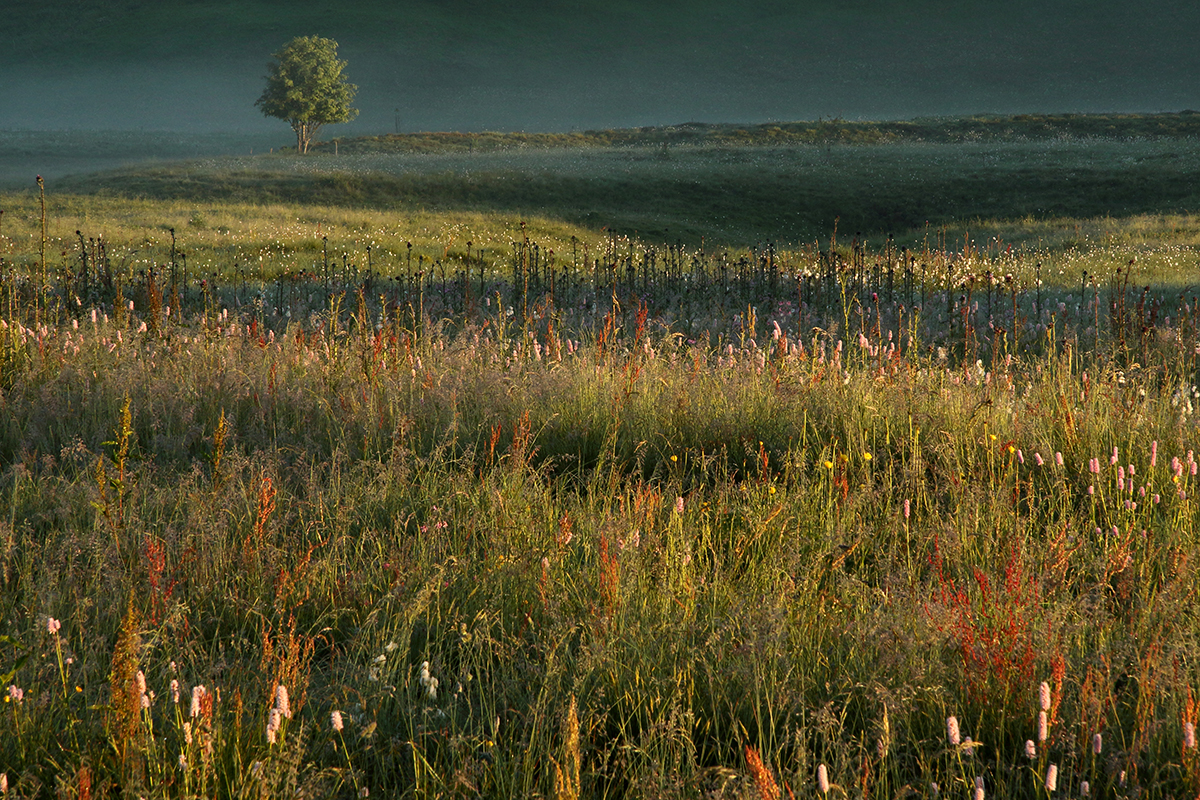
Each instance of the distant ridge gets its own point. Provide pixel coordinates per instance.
(941, 130)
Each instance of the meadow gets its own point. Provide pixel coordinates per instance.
(314, 488)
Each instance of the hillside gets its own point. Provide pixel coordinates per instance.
(470, 65)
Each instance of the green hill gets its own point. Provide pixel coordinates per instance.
(557, 66)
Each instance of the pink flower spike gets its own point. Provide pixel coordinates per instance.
(1058, 459)
(1154, 453)
(1038, 458)
(53, 626)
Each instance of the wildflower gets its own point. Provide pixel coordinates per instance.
(273, 722)
(934, 789)
(182, 761)
(822, 779)
(281, 701)
(1189, 736)
(907, 508)
(141, 682)
(1112, 462)
(15, 693)
(678, 505)
(431, 688)
(1030, 749)
(198, 693)
(867, 456)
(1097, 743)
(1085, 789)
(364, 792)
(1044, 696)
(187, 733)
(4, 775)
(53, 626)
(828, 465)
(1052, 778)
(1154, 452)
(1043, 726)
(174, 691)
(978, 793)
(952, 732)
(335, 720)
(1037, 457)
(1058, 459)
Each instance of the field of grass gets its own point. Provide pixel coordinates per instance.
(724, 195)
(536, 507)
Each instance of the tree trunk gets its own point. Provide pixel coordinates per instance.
(305, 132)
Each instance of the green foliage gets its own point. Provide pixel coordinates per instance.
(305, 86)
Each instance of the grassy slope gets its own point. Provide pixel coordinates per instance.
(725, 194)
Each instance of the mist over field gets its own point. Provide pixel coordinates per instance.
(465, 65)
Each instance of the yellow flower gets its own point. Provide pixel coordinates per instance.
(828, 465)
(992, 436)
(674, 458)
(771, 490)
(1012, 449)
(867, 456)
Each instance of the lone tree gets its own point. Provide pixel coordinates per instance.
(305, 86)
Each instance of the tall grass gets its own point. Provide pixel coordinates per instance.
(626, 539)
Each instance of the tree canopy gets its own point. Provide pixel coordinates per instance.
(305, 86)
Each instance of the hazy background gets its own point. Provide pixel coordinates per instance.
(196, 67)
